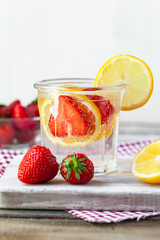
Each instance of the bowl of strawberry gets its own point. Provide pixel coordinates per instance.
(19, 125)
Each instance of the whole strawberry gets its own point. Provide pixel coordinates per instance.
(22, 121)
(25, 136)
(37, 166)
(32, 109)
(1, 110)
(77, 169)
(7, 110)
(6, 134)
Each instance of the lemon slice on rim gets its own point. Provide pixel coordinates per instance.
(91, 112)
(132, 71)
(146, 164)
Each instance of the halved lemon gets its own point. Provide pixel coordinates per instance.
(89, 109)
(132, 71)
(146, 164)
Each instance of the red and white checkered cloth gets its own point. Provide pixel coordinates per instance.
(110, 216)
(6, 156)
(124, 149)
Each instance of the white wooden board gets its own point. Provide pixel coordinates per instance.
(120, 191)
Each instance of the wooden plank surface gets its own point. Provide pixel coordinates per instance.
(69, 228)
(120, 191)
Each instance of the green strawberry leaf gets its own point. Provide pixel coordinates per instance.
(68, 174)
(81, 159)
(79, 170)
(77, 175)
(83, 168)
(62, 170)
(82, 164)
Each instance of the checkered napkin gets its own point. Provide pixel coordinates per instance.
(124, 149)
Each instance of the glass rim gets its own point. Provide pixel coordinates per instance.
(51, 85)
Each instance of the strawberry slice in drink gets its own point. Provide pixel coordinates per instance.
(70, 120)
(105, 107)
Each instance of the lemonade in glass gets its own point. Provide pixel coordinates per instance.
(77, 117)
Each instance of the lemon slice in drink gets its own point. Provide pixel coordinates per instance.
(132, 71)
(69, 87)
(146, 164)
(106, 129)
(89, 109)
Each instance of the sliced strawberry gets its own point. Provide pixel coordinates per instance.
(7, 110)
(22, 121)
(105, 107)
(6, 134)
(70, 120)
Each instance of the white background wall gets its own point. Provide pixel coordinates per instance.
(42, 39)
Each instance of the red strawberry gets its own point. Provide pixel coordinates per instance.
(105, 107)
(32, 109)
(21, 118)
(6, 134)
(1, 110)
(77, 169)
(70, 120)
(7, 110)
(37, 166)
(24, 136)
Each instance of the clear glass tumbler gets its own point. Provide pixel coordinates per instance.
(79, 118)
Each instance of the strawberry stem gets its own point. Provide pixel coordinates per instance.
(74, 164)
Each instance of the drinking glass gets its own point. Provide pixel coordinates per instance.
(79, 118)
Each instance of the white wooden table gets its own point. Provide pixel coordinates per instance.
(57, 224)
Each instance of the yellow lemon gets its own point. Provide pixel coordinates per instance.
(132, 71)
(146, 164)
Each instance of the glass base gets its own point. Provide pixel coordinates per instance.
(110, 167)
(102, 152)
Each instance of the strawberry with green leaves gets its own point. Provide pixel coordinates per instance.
(77, 169)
